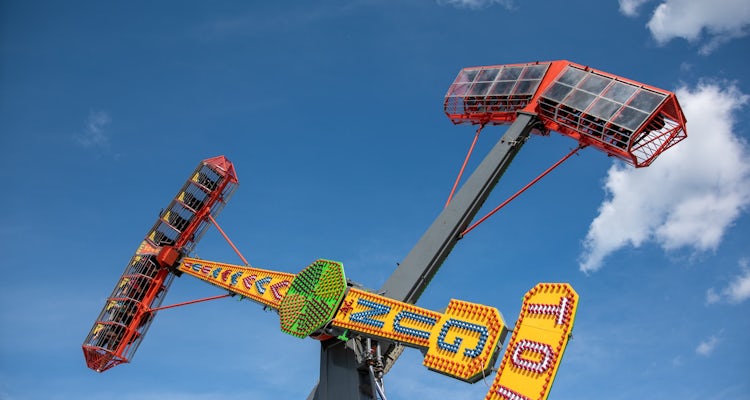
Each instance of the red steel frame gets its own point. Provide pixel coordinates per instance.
(663, 128)
(116, 334)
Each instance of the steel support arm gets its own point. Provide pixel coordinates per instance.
(340, 377)
(423, 261)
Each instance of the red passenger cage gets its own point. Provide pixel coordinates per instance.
(127, 313)
(623, 118)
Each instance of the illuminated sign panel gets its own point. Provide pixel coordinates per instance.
(382, 317)
(312, 298)
(465, 344)
(461, 343)
(265, 287)
(537, 344)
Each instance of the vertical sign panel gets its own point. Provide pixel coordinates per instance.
(537, 344)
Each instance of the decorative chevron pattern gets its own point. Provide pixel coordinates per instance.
(251, 283)
(276, 287)
(260, 285)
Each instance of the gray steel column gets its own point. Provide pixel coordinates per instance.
(340, 376)
(423, 261)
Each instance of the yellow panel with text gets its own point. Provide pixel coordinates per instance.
(537, 344)
(381, 317)
(265, 287)
(464, 344)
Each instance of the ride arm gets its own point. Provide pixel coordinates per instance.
(423, 261)
(262, 286)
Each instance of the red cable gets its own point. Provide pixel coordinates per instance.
(227, 239)
(523, 189)
(466, 160)
(190, 302)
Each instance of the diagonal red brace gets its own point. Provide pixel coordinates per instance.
(463, 167)
(190, 302)
(523, 189)
(216, 224)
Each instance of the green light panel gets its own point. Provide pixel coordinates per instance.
(312, 298)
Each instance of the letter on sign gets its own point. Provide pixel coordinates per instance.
(464, 342)
(537, 344)
(381, 317)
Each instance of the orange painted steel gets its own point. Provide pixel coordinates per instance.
(129, 310)
(621, 117)
(520, 191)
(463, 166)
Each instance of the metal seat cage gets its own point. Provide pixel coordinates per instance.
(127, 314)
(623, 118)
(190, 200)
(493, 94)
(125, 318)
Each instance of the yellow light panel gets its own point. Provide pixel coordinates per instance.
(537, 344)
(382, 317)
(262, 286)
(461, 343)
(464, 344)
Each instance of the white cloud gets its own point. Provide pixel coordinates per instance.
(476, 4)
(710, 23)
(737, 291)
(94, 133)
(706, 347)
(712, 297)
(690, 196)
(630, 7)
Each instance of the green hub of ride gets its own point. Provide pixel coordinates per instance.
(312, 298)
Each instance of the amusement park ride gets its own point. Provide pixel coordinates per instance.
(362, 332)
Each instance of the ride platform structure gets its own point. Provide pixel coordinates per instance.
(363, 331)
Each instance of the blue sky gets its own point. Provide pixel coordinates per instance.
(332, 114)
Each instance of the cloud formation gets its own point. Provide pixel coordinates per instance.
(738, 289)
(710, 23)
(630, 7)
(690, 196)
(706, 347)
(94, 133)
(476, 4)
